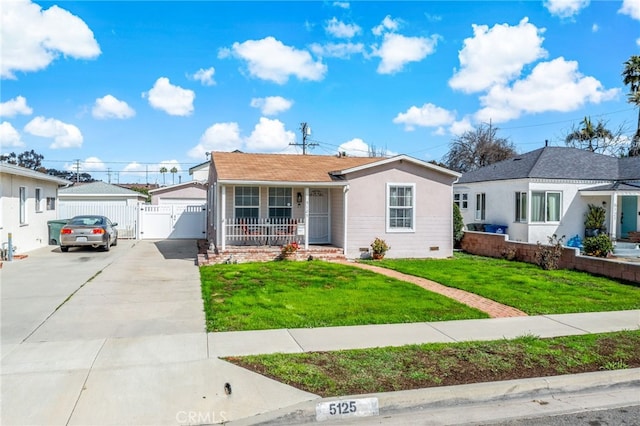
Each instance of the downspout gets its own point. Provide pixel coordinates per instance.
(345, 198)
(222, 224)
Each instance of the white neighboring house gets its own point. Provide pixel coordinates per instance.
(101, 192)
(200, 172)
(547, 191)
(28, 200)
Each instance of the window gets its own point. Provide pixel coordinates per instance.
(461, 199)
(22, 192)
(38, 200)
(400, 199)
(521, 206)
(247, 202)
(51, 203)
(545, 206)
(280, 202)
(481, 201)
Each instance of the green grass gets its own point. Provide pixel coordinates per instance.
(258, 296)
(522, 285)
(418, 366)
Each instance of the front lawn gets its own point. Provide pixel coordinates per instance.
(390, 369)
(523, 286)
(272, 295)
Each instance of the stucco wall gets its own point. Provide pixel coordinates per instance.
(367, 212)
(35, 232)
(192, 194)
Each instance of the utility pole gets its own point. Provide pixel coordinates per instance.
(77, 171)
(306, 131)
(109, 175)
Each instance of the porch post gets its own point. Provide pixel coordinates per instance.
(345, 227)
(613, 216)
(306, 218)
(223, 220)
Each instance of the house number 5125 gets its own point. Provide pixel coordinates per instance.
(359, 407)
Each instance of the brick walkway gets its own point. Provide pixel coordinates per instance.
(494, 309)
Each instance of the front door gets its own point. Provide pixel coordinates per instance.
(628, 215)
(319, 216)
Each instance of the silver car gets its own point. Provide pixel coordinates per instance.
(94, 231)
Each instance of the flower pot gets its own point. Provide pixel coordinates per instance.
(377, 256)
(591, 232)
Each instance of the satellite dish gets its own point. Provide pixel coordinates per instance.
(308, 131)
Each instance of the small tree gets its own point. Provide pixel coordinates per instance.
(477, 148)
(631, 78)
(163, 171)
(547, 257)
(173, 171)
(458, 225)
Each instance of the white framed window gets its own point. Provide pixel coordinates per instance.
(521, 206)
(51, 203)
(280, 202)
(401, 212)
(247, 202)
(461, 199)
(22, 193)
(481, 206)
(545, 206)
(38, 195)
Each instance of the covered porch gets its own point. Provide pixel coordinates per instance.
(621, 200)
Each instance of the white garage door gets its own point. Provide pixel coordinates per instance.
(173, 222)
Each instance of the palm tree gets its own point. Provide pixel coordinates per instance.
(173, 171)
(589, 137)
(631, 77)
(163, 170)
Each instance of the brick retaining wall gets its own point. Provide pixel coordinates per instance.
(497, 245)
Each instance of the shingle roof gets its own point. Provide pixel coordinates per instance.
(98, 188)
(237, 166)
(558, 163)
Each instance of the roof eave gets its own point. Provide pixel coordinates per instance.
(279, 183)
(398, 158)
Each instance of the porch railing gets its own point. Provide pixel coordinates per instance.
(264, 231)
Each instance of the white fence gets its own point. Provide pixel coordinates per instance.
(126, 216)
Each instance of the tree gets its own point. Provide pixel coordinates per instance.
(163, 170)
(477, 148)
(28, 159)
(631, 78)
(173, 171)
(589, 137)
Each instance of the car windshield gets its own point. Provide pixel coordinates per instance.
(86, 221)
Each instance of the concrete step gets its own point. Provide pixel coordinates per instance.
(623, 249)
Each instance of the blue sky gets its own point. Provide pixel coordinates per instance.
(124, 88)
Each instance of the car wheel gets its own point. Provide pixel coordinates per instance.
(64, 249)
(107, 246)
(115, 242)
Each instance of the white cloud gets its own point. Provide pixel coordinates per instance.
(271, 105)
(552, 86)
(387, 24)
(15, 106)
(565, 8)
(339, 29)
(269, 59)
(638, 42)
(337, 50)
(428, 115)
(457, 128)
(342, 4)
(496, 55)
(110, 107)
(9, 136)
(268, 136)
(134, 167)
(355, 148)
(205, 77)
(218, 137)
(64, 135)
(595, 28)
(631, 8)
(31, 38)
(174, 100)
(397, 50)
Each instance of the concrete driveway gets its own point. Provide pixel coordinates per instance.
(113, 338)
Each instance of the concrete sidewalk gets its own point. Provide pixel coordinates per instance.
(117, 338)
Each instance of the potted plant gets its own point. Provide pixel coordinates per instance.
(289, 250)
(378, 248)
(594, 222)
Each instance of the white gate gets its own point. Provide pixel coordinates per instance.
(172, 221)
(126, 216)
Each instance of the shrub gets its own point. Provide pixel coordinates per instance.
(379, 247)
(599, 246)
(458, 225)
(547, 257)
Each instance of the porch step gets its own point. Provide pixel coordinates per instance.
(622, 249)
(267, 254)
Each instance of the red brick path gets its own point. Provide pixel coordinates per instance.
(494, 309)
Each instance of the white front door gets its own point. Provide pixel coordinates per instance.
(319, 216)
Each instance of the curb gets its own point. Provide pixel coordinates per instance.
(438, 397)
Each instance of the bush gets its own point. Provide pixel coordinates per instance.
(547, 257)
(599, 246)
(458, 225)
